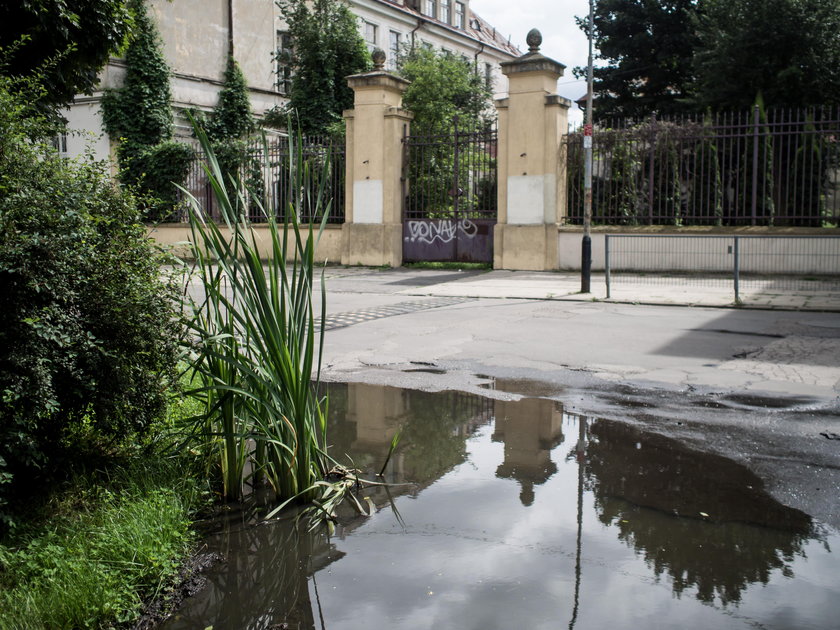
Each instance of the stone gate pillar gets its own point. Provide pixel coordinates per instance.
(372, 232)
(532, 184)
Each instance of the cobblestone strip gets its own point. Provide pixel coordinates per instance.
(343, 320)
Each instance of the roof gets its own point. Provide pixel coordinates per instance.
(477, 28)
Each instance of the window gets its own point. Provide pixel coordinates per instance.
(445, 11)
(394, 41)
(369, 31)
(283, 63)
(430, 8)
(488, 76)
(59, 143)
(460, 13)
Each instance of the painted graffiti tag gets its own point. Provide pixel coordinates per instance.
(443, 230)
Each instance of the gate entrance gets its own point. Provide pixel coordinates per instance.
(449, 195)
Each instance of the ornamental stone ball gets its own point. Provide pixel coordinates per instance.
(378, 57)
(534, 40)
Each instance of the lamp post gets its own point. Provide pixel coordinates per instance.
(586, 244)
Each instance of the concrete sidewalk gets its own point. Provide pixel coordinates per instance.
(660, 290)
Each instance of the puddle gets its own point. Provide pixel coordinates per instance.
(519, 514)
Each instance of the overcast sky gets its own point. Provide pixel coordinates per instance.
(563, 41)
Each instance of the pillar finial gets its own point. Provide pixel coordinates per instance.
(534, 40)
(378, 57)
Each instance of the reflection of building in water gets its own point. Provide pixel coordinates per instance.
(530, 429)
(704, 520)
(434, 428)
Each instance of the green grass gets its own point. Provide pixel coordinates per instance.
(460, 266)
(93, 557)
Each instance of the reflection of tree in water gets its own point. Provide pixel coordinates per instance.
(263, 581)
(434, 428)
(654, 489)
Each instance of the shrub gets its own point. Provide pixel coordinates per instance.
(88, 338)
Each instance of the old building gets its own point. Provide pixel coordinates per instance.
(197, 35)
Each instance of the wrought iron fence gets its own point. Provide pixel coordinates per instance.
(798, 264)
(780, 167)
(451, 174)
(266, 170)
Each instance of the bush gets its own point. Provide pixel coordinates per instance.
(88, 338)
(155, 171)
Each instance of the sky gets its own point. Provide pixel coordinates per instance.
(563, 41)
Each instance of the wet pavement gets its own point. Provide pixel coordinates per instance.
(518, 513)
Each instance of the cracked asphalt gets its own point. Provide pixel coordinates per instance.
(761, 387)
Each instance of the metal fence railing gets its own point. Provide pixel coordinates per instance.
(266, 170)
(451, 174)
(789, 263)
(774, 168)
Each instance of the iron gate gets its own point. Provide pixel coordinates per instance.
(449, 194)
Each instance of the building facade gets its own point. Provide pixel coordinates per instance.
(197, 35)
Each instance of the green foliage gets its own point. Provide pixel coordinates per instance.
(103, 549)
(647, 47)
(64, 42)
(139, 114)
(232, 117)
(443, 85)
(88, 337)
(157, 169)
(786, 50)
(327, 48)
(444, 90)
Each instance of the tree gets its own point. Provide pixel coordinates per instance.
(139, 116)
(327, 48)
(787, 51)
(648, 47)
(66, 42)
(443, 85)
(232, 118)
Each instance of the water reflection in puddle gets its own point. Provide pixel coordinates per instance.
(521, 515)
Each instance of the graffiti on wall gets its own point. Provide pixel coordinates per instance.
(443, 230)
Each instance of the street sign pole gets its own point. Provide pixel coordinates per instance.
(586, 245)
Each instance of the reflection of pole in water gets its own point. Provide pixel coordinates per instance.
(580, 453)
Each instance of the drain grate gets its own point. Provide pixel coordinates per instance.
(343, 320)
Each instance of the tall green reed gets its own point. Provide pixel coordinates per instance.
(256, 345)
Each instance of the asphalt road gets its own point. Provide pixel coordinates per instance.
(759, 386)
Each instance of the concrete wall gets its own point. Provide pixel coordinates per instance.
(693, 253)
(178, 236)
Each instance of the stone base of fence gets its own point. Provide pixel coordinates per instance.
(177, 236)
(371, 244)
(525, 247)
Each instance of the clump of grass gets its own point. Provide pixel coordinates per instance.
(106, 547)
(256, 346)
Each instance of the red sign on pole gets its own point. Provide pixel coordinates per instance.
(587, 129)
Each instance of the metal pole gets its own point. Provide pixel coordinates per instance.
(586, 244)
(737, 273)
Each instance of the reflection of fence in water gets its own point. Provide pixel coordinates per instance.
(782, 263)
(734, 168)
(266, 170)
